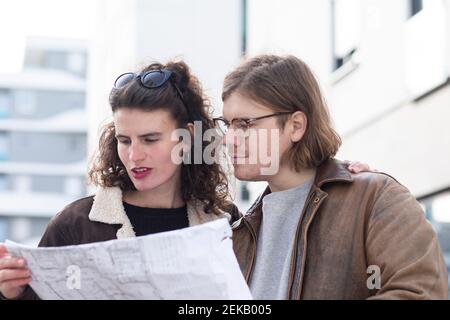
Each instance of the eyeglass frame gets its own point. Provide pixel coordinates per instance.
(248, 121)
(167, 77)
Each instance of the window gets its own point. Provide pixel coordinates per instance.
(38, 226)
(4, 146)
(42, 147)
(25, 102)
(5, 103)
(56, 60)
(34, 58)
(346, 21)
(4, 182)
(415, 6)
(3, 228)
(244, 32)
(74, 62)
(425, 47)
(41, 183)
(22, 183)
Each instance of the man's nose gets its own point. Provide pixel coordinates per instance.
(229, 139)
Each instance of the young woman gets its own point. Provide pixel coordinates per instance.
(140, 188)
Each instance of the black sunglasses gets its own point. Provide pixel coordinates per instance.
(151, 80)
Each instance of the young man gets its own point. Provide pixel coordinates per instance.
(318, 231)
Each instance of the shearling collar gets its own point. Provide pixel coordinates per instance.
(108, 208)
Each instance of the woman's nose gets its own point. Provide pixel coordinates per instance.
(136, 153)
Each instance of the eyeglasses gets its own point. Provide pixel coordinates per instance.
(243, 124)
(151, 80)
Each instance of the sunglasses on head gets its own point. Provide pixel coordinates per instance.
(151, 79)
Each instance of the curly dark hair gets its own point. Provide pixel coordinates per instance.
(204, 182)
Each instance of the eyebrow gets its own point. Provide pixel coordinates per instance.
(146, 135)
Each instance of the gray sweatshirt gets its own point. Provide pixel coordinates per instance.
(281, 214)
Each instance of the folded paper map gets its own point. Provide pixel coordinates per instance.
(191, 263)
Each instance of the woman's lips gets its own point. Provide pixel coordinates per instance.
(140, 173)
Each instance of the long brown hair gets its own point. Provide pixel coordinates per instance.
(287, 84)
(204, 182)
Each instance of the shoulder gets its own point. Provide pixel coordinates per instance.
(378, 182)
(79, 209)
(64, 222)
(388, 196)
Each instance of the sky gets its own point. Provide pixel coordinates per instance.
(43, 18)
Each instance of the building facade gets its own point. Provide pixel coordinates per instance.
(43, 136)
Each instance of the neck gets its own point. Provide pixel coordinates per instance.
(287, 178)
(161, 197)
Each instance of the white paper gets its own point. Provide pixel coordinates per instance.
(191, 263)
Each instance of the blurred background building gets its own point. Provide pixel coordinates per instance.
(384, 67)
(43, 134)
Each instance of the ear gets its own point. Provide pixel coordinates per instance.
(297, 126)
(190, 127)
(187, 144)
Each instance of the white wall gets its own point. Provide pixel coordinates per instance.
(378, 83)
(411, 143)
(374, 106)
(298, 27)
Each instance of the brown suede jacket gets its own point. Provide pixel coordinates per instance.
(354, 227)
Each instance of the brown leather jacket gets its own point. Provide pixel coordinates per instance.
(351, 222)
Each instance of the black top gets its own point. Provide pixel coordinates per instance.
(153, 220)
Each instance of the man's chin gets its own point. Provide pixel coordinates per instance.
(246, 175)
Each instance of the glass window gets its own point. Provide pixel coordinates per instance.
(38, 226)
(347, 30)
(34, 58)
(415, 6)
(3, 228)
(244, 31)
(56, 60)
(48, 147)
(76, 63)
(25, 102)
(4, 146)
(5, 103)
(425, 44)
(4, 182)
(47, 184)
